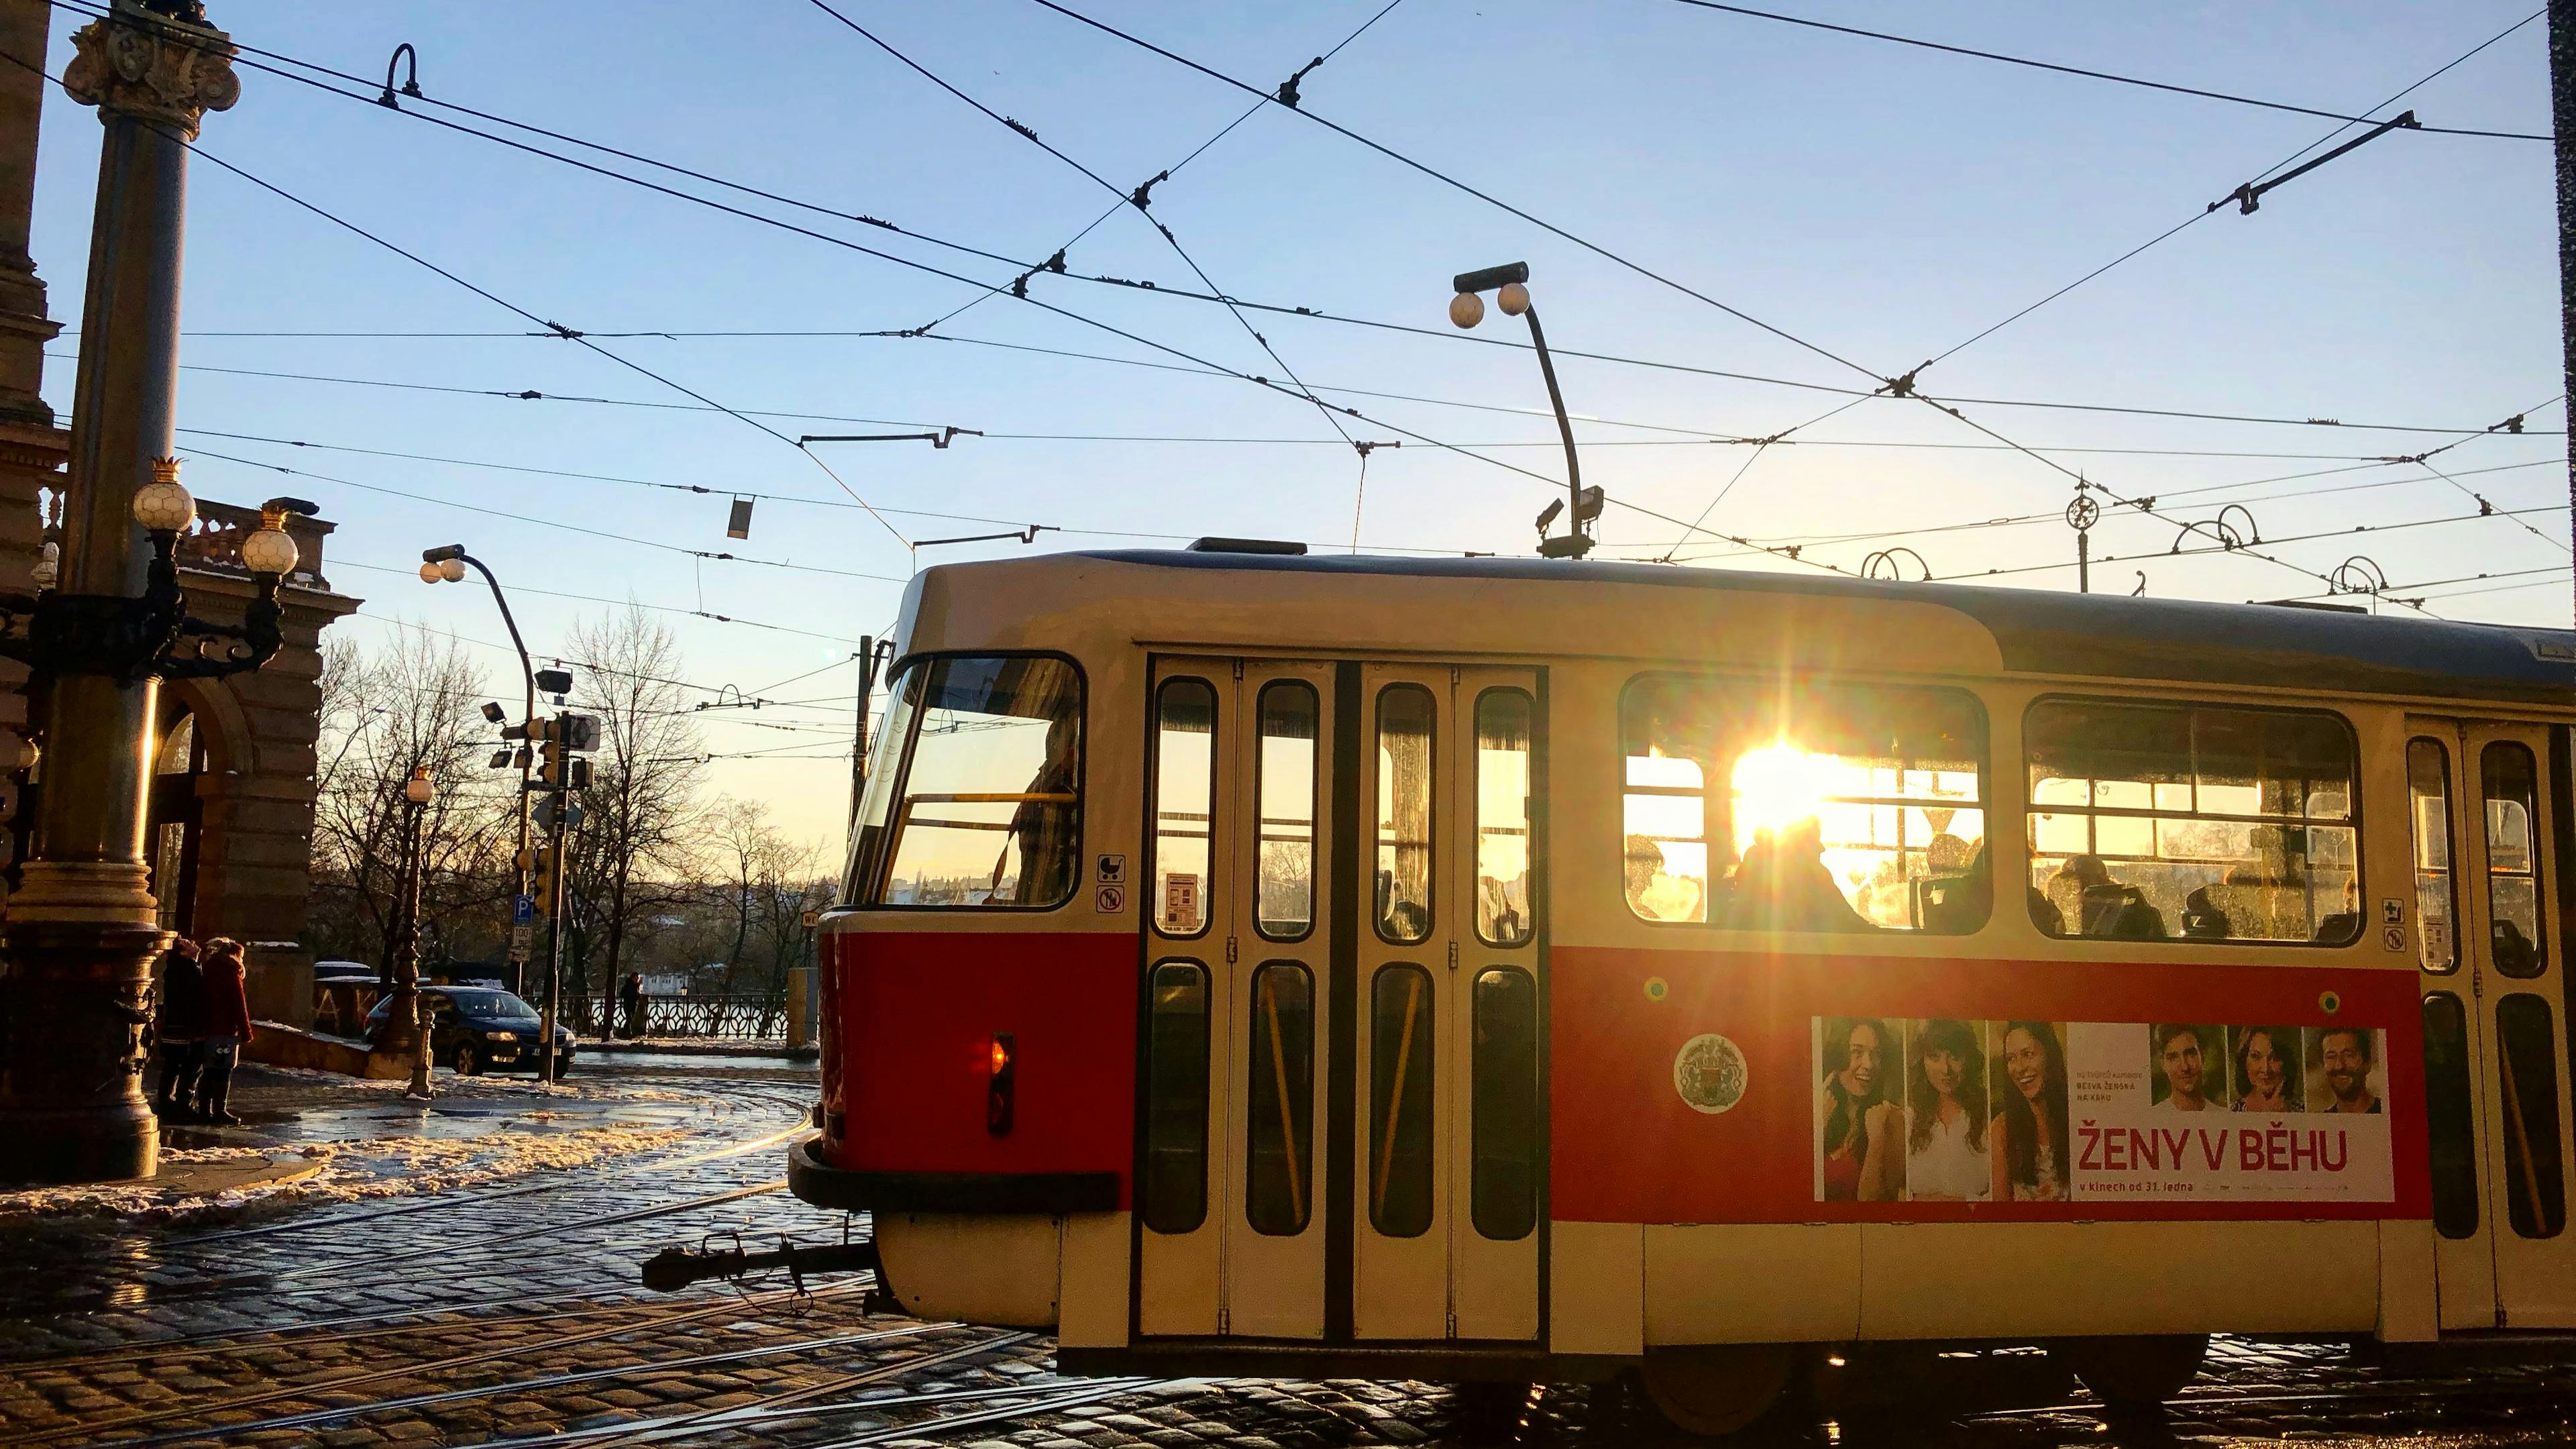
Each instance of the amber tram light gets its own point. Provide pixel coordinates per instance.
(999, 1095)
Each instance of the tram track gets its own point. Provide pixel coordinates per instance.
(642, 1371)
(345, 1382)
(783, 1404)
(111, 1300)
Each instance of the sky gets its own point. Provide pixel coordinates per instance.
(1860, 206)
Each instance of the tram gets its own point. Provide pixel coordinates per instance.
(1508, 971)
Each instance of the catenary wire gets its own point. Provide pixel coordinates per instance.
(1450, 335)
(2101, 75)
(489, 512)
(2208, 211)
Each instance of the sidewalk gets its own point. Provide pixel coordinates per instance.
(308, 1137)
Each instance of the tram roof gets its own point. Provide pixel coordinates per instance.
(2045, 632)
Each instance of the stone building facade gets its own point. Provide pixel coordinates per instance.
(231, 819)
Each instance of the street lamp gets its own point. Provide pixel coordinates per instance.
(447, 564)
(1510, 285)
(409, 1003)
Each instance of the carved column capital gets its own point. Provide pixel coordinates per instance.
(153, 67)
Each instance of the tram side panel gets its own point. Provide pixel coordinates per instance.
(1687, 1099)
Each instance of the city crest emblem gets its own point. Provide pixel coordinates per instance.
(1709, 1073)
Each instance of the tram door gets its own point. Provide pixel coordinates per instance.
(1447, 1170)
(1238, 973)
(1404, 796)
(2494, 1006)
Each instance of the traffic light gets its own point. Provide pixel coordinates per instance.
(550, 764)
(542, 884)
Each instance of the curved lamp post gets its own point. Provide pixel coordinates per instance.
(1510, 285)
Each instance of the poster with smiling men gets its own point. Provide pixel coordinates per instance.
(1933, 1110)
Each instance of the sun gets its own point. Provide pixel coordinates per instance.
(1776, 787)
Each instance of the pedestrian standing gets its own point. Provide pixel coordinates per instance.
(226, 1027)
(178, 1028)
(631, 997)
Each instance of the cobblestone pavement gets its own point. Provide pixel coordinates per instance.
(512, 1314)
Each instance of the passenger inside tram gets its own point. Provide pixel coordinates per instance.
(1804, 806)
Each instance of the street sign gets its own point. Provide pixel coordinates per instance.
(523, 909)
(523, 940)
(550, 806)
(578, 731)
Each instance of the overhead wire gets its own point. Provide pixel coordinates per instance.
(2100, 75)
(1140, 198)
(414, 571)
(2207, 211)
(491, 512)
(985, 288)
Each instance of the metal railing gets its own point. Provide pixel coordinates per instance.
(735, 1016)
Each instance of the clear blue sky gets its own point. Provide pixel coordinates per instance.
(1884, 203)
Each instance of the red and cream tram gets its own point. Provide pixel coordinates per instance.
(1505, 970)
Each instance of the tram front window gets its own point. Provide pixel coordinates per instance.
(987, 809)
(1760, 806)
(2160, 822)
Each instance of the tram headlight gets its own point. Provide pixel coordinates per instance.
(1001, 1088)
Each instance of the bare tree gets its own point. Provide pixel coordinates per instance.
(411, 704)
(641, 835)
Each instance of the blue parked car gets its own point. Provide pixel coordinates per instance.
(482, 1028)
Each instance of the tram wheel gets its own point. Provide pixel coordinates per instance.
(1715, 1389)
(2134, 1372)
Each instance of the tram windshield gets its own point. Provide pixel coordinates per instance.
(2165, 822)
(975, 799)
(1771, 805)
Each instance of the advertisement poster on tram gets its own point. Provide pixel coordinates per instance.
(1952, 1110)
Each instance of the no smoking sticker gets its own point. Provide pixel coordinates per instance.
(1109, 899)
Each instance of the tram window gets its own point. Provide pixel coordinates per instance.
(2156, 822)
(2527, 1085)
(991, 806)
(1279, 1116)
(2437, 894)
(885, 766)
(2452, 1119)
(1176, 1098)
(1503, 818)
(1184, 803)
(1286, 790)
(1404, 815)
(2508, 787)
(1400, 1069)
(1503, 1192)
(1809, 807)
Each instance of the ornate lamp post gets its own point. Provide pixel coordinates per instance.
(82, 929)
(409, 1004)
(1510, 285)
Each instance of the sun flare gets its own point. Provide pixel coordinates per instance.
(1776, 787)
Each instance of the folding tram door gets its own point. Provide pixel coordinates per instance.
(1340, 1120)
(2485, 799)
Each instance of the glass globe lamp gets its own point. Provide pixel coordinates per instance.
(162, 506)
(1513, 298)
(1466, 309)
(267, 550)
(417, 789)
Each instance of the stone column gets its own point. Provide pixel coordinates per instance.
(82, 930)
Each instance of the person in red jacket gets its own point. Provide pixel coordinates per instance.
(225, 1027)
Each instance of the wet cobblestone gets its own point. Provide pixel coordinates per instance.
(526, 1324)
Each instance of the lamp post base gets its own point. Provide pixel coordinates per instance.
(75, 996)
